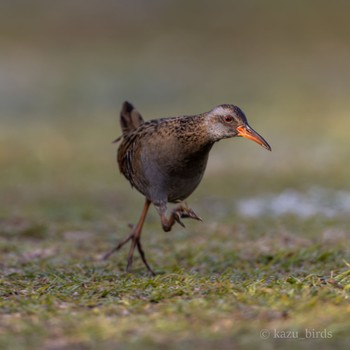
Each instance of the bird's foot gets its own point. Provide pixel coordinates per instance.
(118, 247)
(135, 239)
(184, 212)
(135, 242)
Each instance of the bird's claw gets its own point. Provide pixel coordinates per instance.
(185, 213)
(177, 218)
(191, 214)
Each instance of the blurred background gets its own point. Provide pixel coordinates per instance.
(67, 66)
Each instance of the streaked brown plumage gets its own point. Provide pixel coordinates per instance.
(165, 160)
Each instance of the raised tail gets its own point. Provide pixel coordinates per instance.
(130, 119)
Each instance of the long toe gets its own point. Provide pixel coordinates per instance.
(188, 213)
(118, 247)
(177, 218)
(193, 215)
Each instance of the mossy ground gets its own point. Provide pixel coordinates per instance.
(231, 280)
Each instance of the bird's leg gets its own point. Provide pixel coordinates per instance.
(134, 236)
(178, 213)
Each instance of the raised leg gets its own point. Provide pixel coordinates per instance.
(178, 213)
(134, 236)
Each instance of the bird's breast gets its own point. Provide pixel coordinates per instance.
(176, 173)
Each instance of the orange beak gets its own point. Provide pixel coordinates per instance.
(247, 132)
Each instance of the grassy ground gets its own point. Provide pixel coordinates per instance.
(271, 280)
(267, 281)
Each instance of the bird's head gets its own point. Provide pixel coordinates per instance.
(227, 121)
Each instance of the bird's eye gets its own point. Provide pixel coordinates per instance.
(228, 118)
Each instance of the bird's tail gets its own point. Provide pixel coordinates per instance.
(130, 119)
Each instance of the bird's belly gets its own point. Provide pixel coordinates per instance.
(179, 188)
(172, 176)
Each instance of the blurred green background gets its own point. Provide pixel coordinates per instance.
(66, 67)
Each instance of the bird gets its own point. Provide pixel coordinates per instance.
(165, 160)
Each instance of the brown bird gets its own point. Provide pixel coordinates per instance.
(165, 160)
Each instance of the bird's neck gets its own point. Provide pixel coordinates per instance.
(192, 131)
